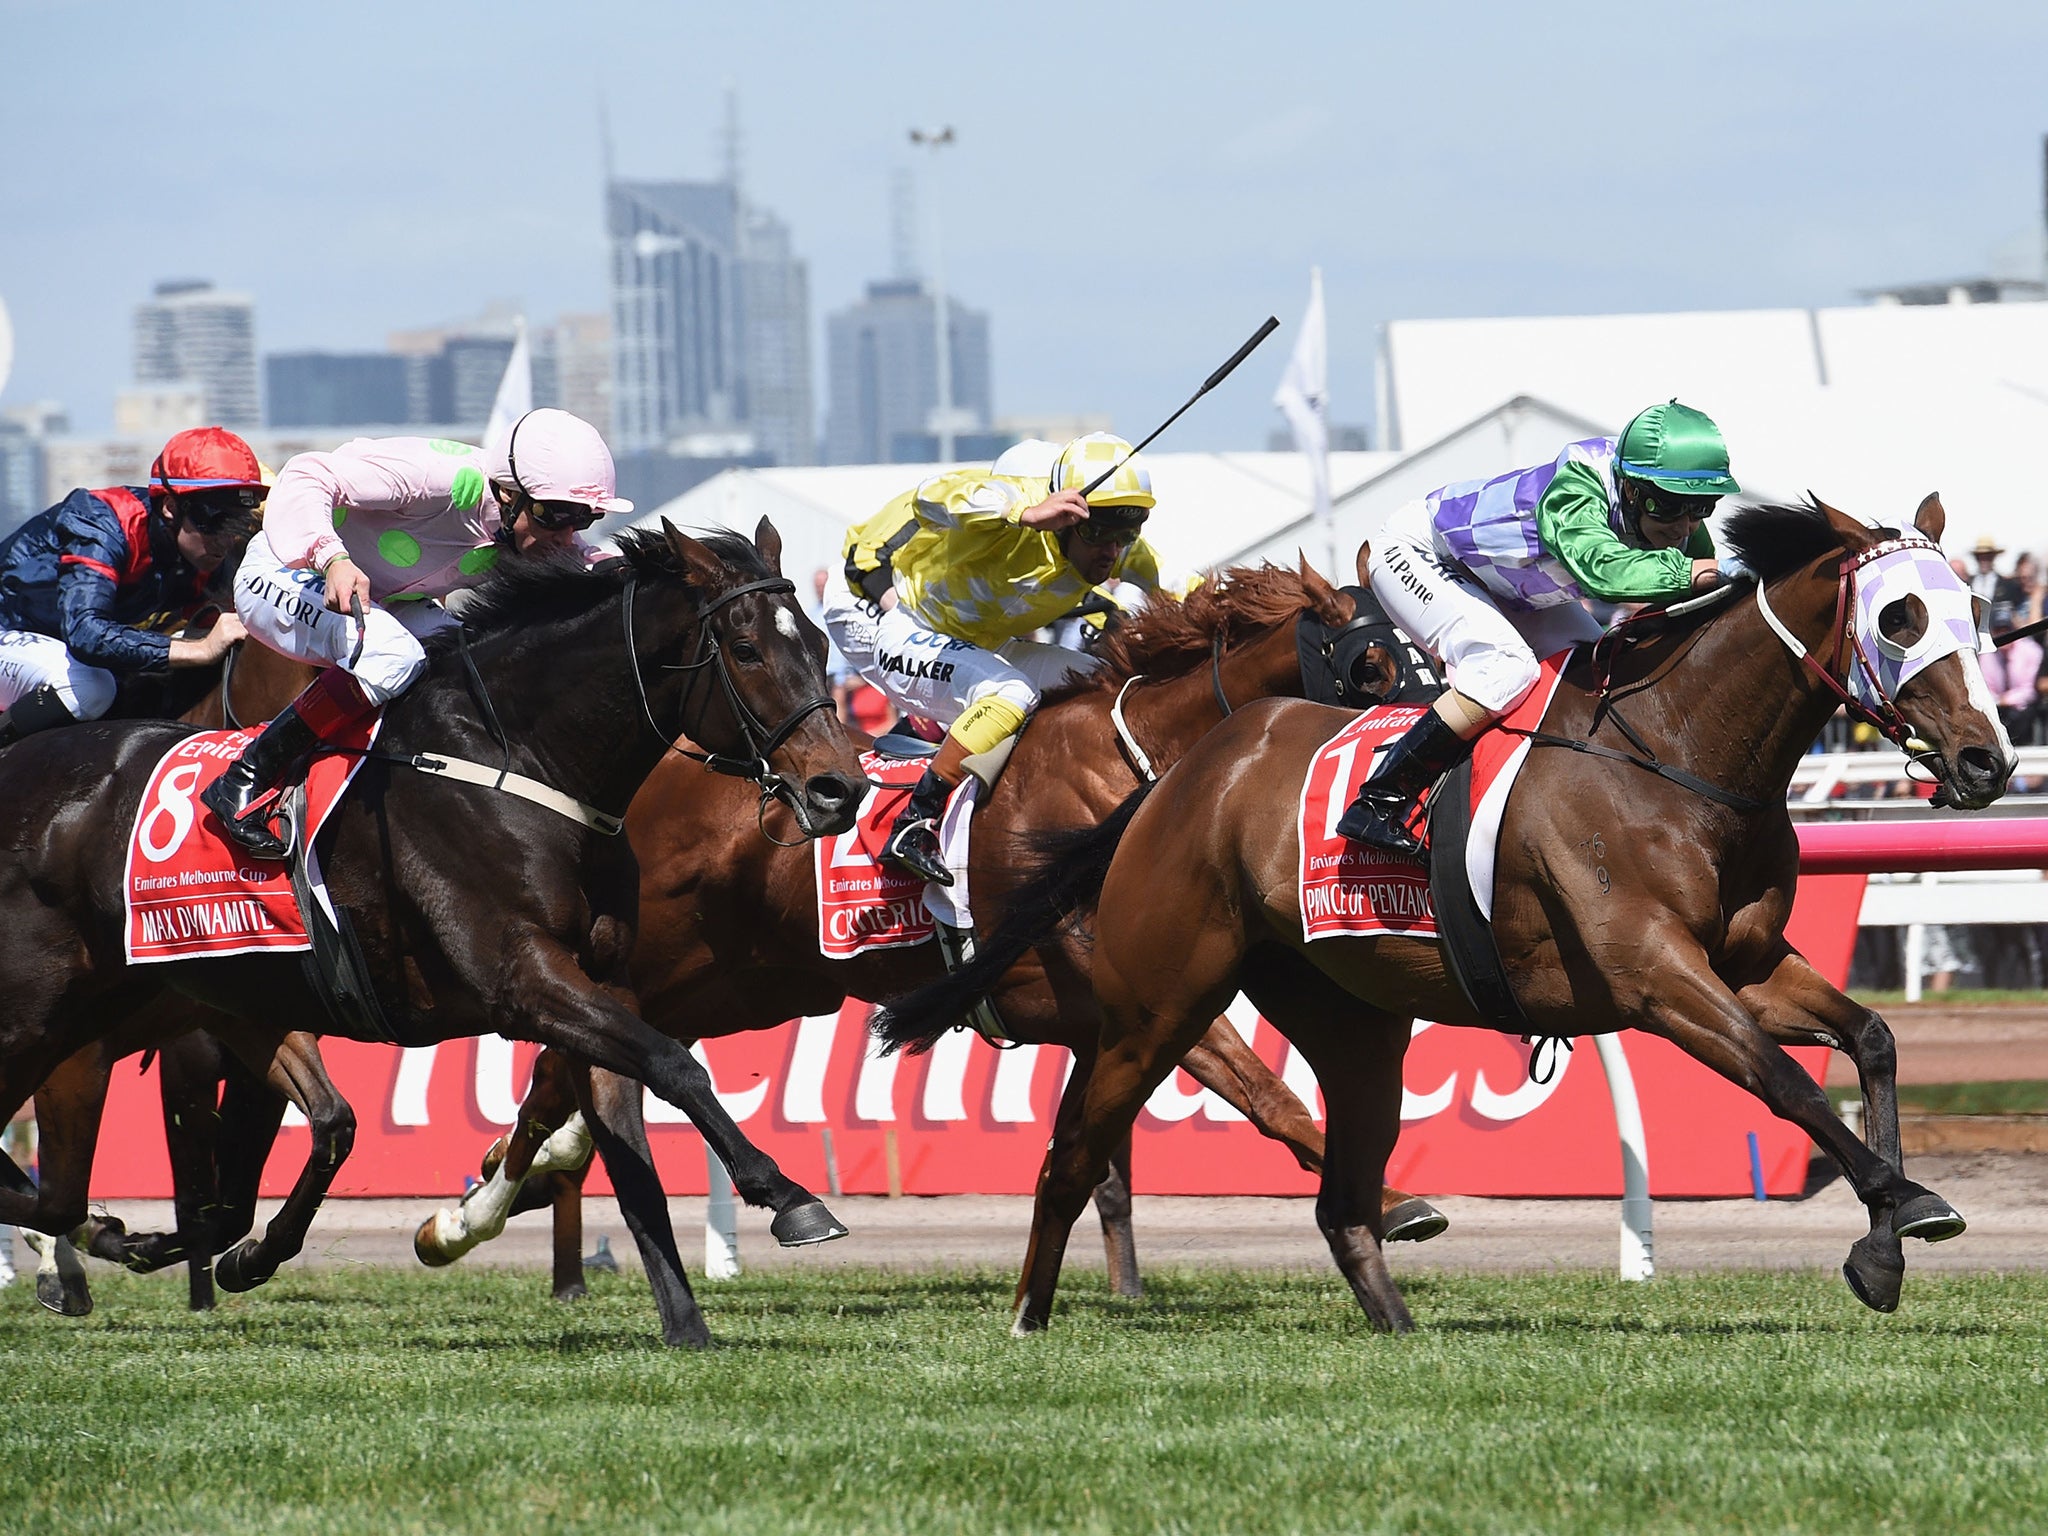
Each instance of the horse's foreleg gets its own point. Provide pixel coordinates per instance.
(620, 1131)
(1119, 1241)
(60, 1273)
(296, 1070)
(1796, 1003)
(1683, 1000)
(549, 1133)
(188, 1083)
(567, 1234)
(563, 1007)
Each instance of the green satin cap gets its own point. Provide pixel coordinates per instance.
(1676, 449)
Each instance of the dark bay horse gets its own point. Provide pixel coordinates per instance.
(253, 685)
(476, 911)
(729, 921)
(1622, 898)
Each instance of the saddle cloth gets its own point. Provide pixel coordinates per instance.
(1349, 890)
(191, 891)
(864, 904)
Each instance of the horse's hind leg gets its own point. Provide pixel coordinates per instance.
(1228, 1067)
(1119, 1241)
(620, 1131)
(295, 1069)
(1356, 1052)
(549, 1133)
(567, 1222)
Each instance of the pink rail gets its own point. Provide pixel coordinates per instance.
(1883, 847)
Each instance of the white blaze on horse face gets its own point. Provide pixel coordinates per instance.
(786, 624)
(1981, 700)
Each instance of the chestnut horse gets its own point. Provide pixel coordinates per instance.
(1624, 895)
(477, 911)
(729, 921)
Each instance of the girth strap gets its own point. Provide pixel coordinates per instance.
(443, 766)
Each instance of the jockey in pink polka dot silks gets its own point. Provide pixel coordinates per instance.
(1487, 576)
(397, 524)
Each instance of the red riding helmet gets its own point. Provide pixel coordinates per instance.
(208, 459)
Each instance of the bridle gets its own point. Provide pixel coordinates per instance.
(1881, 711)
(760, 741)
(1139, 760)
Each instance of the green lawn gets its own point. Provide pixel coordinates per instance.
(388, 1401)
(2019, 1097)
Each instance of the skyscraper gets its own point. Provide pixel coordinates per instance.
(710, 311)
(191, 331)
(335, 389)
(883, 375)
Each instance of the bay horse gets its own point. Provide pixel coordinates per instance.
(476, 911)
(1624, 895)
(729, 929)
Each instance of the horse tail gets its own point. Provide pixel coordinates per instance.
(1068, 871)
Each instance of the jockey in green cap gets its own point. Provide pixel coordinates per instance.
(1488, 576)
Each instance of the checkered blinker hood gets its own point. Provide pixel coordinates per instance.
(1887, 589)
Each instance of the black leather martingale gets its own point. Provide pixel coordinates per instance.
(1332, 658)
(1469, 951)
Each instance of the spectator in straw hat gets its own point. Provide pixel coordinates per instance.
(2004, 595)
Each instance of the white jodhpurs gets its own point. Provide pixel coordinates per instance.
(1488, 654)
(29, 661)
(926, 673)
(287, 610)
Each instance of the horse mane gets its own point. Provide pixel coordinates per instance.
(1166, 638)
(1775, 539)
(532, 591)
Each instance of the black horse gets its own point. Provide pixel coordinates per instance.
(476, 911)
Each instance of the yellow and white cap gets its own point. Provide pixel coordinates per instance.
(1086, 457)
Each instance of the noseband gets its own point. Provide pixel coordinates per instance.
(757, 738)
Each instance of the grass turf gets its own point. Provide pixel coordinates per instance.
(366, 1400)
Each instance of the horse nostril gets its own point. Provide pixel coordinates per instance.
(1980, 763)
(831, 791)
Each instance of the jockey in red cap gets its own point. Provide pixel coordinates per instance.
(89, 588)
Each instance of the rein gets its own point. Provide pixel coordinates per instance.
(760, 740)
(1146, 772)
(1604, 707)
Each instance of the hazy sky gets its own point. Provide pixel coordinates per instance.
(1134, 186)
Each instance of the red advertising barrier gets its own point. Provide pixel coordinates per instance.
(970, 1119)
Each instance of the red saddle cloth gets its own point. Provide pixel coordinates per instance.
(1348, 889)
(864, 904)
(189, 890)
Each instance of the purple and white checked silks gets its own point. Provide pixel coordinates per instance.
(1489, 527)
(1911, 568)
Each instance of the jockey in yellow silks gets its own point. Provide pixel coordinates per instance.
(944, 583)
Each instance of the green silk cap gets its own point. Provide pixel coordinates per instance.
(1676, 449)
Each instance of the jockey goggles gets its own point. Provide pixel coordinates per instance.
(1106, 535)
(1665, 507)
(210, 511)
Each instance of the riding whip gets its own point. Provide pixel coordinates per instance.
(1272, 324)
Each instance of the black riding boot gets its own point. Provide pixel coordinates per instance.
(233, 797)
(914, 841)
(37, 710)
(1379, 816)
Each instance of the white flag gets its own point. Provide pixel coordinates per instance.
(1303, 396)
(515, 393)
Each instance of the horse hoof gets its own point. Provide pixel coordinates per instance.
(67, 1295)
(1928, 1217)
(1876, 1271)
(426, 1244)
(804, 1224)
(232, 1270)
(495, 1156)
(1415, 1220)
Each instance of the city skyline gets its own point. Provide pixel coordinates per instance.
(1122, 229)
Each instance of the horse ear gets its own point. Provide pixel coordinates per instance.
(1364, 559)
(700, 565)
(769, 542)
(1932, 517)
(1855, 533)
